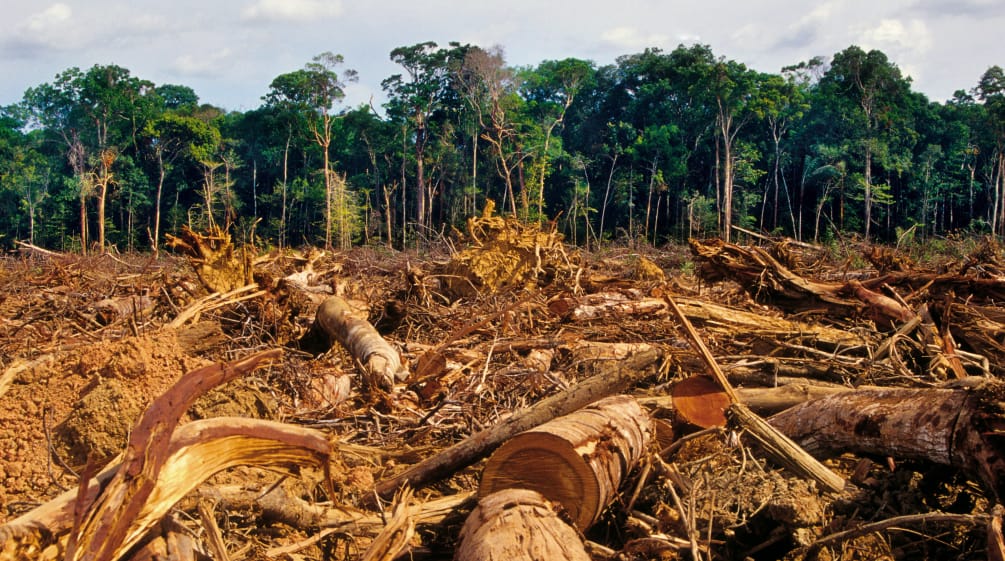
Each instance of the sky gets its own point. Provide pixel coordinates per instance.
(229, 51)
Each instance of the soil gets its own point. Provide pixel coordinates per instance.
(72, 388)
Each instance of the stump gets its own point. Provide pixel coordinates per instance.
(578, 460)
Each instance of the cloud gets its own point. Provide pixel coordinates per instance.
(895, 34)
(212, 64)
(291, 10)
(47, 30)
(960, 8)
(48, 18)
(630, 38)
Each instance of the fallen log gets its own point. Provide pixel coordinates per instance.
(614, 377)
(518, 525)
(955, 427)
(380, 362)
(578, 460)
(767, 279)
(736, 322)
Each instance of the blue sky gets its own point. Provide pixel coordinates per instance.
(229, 50)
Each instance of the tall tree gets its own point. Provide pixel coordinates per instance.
(870, 85)
(550, 89)
(416, 98)
(316, 89)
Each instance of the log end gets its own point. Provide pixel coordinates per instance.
(549, 465)
(518, 525)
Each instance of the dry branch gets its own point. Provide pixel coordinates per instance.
(380, 362)
(106, 526)
(614, 377)
(578, 460)
(775, 443)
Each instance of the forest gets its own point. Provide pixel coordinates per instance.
(658, 147)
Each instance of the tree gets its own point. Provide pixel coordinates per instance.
(868, 87)
(991, 91)
(416, 98)
(490, 88)
(173, 137)
(783, 103)
(550, 90)
(315, 90)
(733, 87)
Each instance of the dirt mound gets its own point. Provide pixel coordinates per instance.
(66, 407)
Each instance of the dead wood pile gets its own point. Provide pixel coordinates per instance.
(510, 398)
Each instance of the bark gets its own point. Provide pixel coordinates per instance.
(735, 322)
(954, 427)
(614, 377)
(518, 525)
(579, 460)
(381, 363)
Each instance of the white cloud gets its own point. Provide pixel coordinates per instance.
(893, 33)
(213, 64)
(48, 18)
(292, 10)
(630, 38)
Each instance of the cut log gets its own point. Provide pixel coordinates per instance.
(954, 427)
(518, 525)
(381, 363)
(613, 378)
(578, 460)
(700, 401)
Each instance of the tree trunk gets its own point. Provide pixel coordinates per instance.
(518, 525)
(954, 427)
(381, 363)
(868, 190)
(578, 460)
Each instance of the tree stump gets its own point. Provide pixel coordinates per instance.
(518, 525)
(578, 460)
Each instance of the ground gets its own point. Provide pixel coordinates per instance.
(78, 371)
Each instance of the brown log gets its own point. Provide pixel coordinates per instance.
(954, 427)
(578, 460)
(614, 377)
(700, 401)
(381, 363)
(518, 525)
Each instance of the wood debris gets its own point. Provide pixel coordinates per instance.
(504, 396)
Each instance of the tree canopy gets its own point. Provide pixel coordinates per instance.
(658, 146)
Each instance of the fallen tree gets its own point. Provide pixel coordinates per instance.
(953, 427)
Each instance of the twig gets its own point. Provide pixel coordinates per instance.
(925, 518)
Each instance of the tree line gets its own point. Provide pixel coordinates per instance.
(658, 146)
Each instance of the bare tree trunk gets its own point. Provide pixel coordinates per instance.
(954, 427)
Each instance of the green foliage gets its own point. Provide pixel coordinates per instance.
(660, 144)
